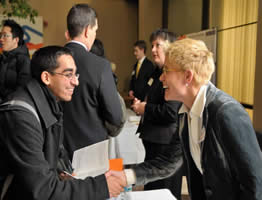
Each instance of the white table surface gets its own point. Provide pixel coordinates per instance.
(127, 144)
(162, 194)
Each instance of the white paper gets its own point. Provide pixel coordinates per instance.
(164, 194)
(91, 160)
(134, 119)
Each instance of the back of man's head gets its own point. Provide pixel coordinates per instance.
(16, 30)
(163, 34)
(141, 44)
(45, 59)
(79, 17)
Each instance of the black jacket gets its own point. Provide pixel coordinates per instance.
(140, 84)
(160, 120)
(231, 158)
(94, 102)
(14, 70)
(30, 151)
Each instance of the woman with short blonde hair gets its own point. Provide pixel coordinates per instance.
(216, 138)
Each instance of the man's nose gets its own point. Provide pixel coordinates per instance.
(75, 81)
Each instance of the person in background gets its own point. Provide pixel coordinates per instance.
(14, 61)
(217, 140)
(142, 71)
(95, 101)
(32, 135)
(113, 67)
(98, 49)
(159, 121)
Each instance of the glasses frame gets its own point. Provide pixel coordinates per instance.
(5, 35)
(165, 69)
(69, 76)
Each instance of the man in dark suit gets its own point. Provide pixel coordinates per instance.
(159, 123)
(95, 101)
(142, 72)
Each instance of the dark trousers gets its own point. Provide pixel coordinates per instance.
(173, 183)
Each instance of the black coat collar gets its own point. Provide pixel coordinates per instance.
(41, 103)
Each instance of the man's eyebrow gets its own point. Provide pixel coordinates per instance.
(68, 70)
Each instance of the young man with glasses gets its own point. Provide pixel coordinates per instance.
(14, 61)
(32, 135)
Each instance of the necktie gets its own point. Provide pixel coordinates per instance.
(138, 68)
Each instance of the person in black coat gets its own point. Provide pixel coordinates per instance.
(95, 101)
(31, 139)
(14, 61)
(159, 121)
(142, 71)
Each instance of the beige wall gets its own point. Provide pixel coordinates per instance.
(55, 15)
(185, 16)
(236, 22)
(118, 24)
(149, 19)
(118, 28)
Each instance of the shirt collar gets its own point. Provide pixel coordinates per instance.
(141, 60)
(198, 105)
(78, 42)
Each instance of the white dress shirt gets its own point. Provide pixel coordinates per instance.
(77, 42)
(195, 126)
(196, 131)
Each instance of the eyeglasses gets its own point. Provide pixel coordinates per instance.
(69, 76)
(5, 35)
(165, 70)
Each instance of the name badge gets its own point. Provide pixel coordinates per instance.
(150, 82)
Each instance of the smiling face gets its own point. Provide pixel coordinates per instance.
(58, 82)
(8, 42)
(174, 81)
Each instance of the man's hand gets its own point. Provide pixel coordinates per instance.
(66, 176)
(120, 175)
(138, 106)
(116, 181)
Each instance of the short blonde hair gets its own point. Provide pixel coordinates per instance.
(193, 55)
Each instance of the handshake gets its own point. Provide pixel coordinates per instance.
(116, 181)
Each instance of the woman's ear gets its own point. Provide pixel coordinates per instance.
(189, 76)
(45, 77)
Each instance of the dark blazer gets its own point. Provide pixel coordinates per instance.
(30, 151)
(230, 156)
(140, 84)
(160, 120)
(94, 101)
